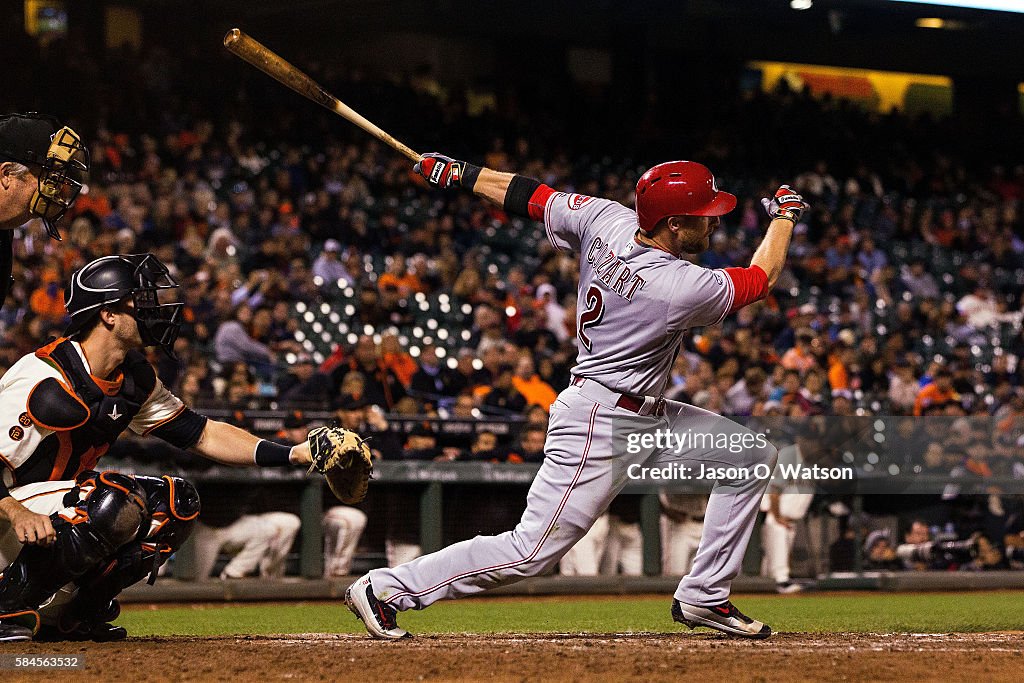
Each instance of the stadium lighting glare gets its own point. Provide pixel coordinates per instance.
(999, 5)
(801, 4)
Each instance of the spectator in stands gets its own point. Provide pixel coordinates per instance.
(870, 258)
(464, 408)
(530, 386)
(283, 324)
(554, 313)
(530, 447)
(433, 380)
(396, 360)
(815, 389)
(840, 366)
(533, 334)
(741, 396)
(980, 307)
(233, 343)
(47, 300)
(839, 261)
(488, 329)
(918, 281)
(491, 360)
(800, 357)
(421, 443)
(463, 379)
(502, 397)
(938, 392)
(382, 387)
(303, 384)
(468, 284)
(537, 417)
(329, 268)
(903, 387)
(398, 277)
(354, 412)
(485, 448)
(189, 389)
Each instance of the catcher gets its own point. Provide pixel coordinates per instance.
(73, 536)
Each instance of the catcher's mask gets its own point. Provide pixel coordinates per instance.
(40, 142)
(114, 279)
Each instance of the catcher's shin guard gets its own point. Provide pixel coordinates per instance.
(175, 505)
(111, 515)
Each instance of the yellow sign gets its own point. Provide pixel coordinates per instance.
(878, 90)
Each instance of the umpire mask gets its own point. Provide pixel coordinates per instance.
(40, 141)
(112, 279)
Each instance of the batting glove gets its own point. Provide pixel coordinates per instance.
(785, 204)
(445, 172)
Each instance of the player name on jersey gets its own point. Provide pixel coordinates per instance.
(607, 266)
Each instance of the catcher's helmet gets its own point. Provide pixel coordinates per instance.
(38, 140)
(112, 279)
(679, 188)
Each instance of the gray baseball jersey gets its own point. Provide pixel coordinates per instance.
(634, 304)
(635, 301)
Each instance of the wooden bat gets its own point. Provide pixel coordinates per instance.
(270, 63)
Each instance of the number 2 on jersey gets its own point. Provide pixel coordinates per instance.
(591, 316)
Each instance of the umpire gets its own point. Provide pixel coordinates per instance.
(42, 168)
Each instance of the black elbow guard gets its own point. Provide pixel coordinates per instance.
(517, 198)
(183, 430)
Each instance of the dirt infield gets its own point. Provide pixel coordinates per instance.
(612, 657)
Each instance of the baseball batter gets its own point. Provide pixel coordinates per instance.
(637, 297)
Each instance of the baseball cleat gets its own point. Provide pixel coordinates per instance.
(98, 633)
(724, 617)
(12, 633)
(378, 618)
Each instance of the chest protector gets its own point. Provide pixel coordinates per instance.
(85, 415)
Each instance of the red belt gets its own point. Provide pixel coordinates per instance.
(641, 405)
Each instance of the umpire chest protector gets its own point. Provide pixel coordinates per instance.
(85, 414)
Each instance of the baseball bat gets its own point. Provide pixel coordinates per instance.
(270, 63)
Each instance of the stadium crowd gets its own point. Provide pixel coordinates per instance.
(902, 295)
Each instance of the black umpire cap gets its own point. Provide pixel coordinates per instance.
(26, 138)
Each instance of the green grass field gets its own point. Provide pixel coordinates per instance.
(846, 612)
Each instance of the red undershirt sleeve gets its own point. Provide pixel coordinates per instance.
(749, 284)
(539, 200)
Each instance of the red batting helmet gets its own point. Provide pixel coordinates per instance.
(679, 188)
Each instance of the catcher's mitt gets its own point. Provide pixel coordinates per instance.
(344, 459)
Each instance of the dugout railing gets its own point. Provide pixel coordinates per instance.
(434, 479)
